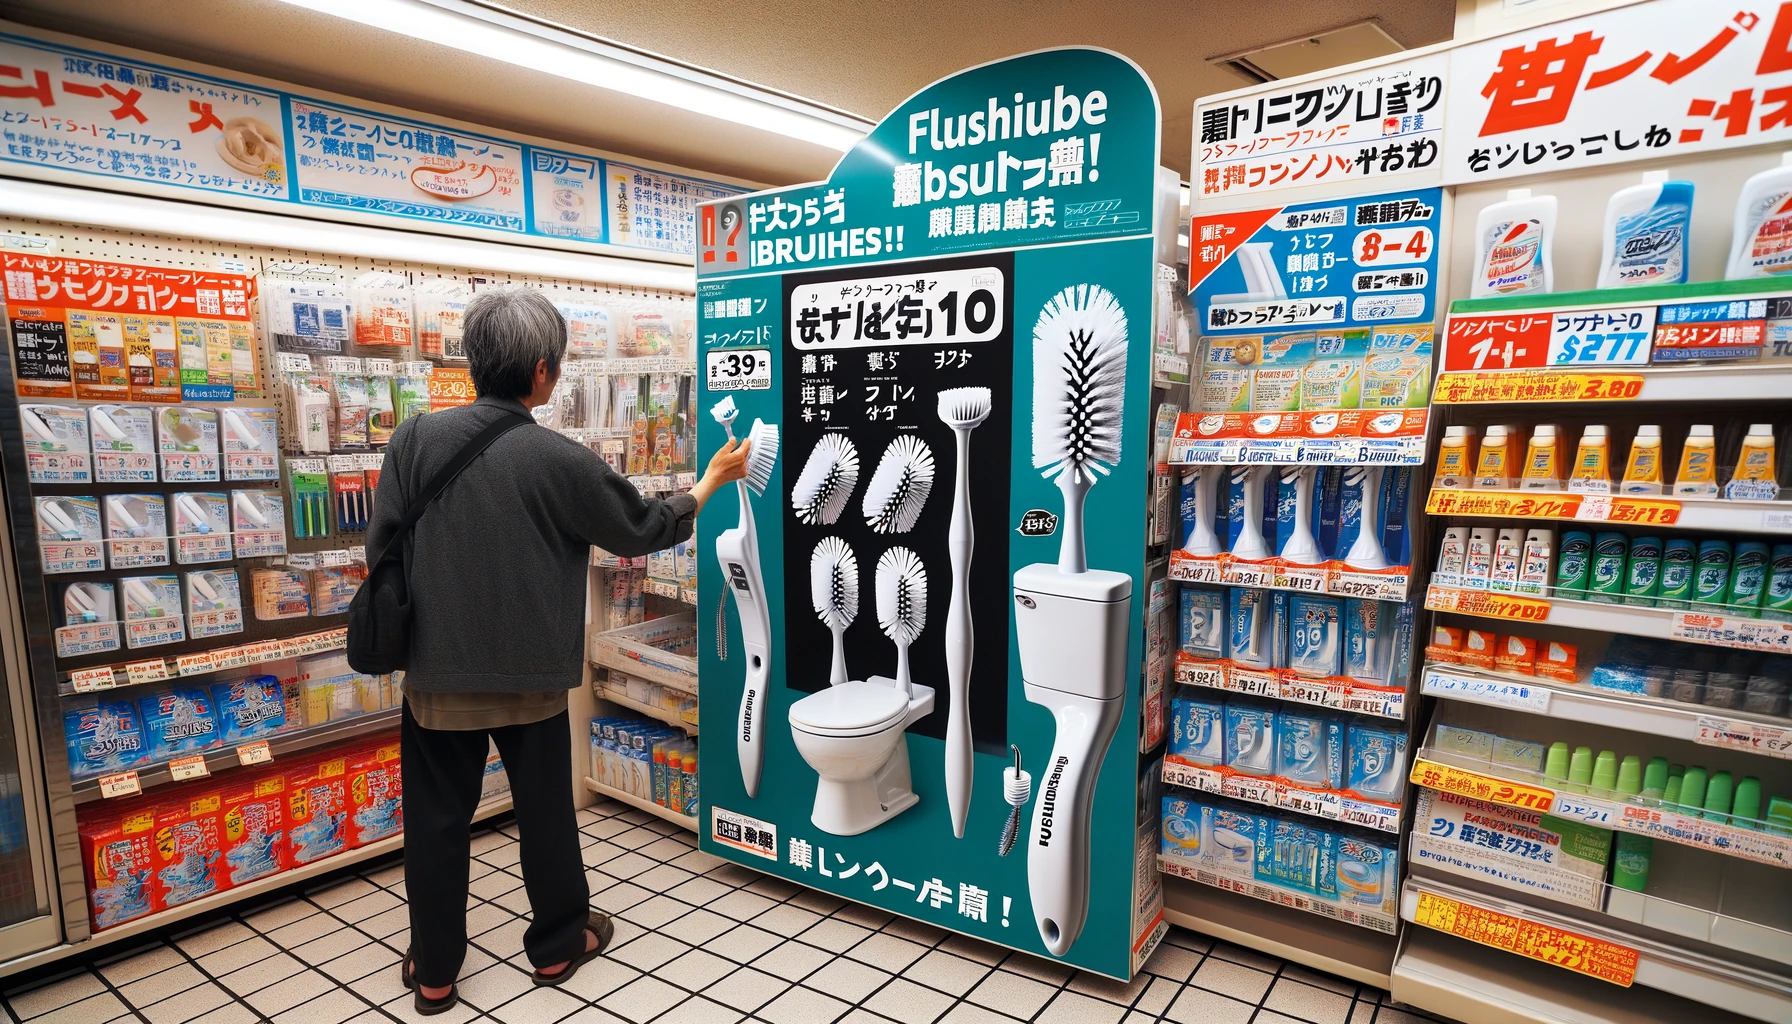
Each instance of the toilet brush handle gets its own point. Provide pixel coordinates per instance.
(1058, 853)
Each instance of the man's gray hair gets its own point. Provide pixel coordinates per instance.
(506, 332)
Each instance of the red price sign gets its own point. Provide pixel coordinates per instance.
(1388, 247)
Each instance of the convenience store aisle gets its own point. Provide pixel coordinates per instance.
(680, 955)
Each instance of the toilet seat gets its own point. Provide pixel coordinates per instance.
(850, 709)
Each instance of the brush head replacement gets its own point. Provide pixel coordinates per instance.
(827, 481)
(899, 487)
(724, 411)
(834, 583)
(763, 456)
(1079, 383)
(901, 595)
(964, 408)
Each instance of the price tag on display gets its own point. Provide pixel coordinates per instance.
(342, 364)
(1753, 737)
(1594, 812)
(293, 362)
(1192, 776)
(1253, 682)
(90, 679)
(1196, 672)
(1294, 798)
(1323, 692)
(254, 753)
(1595, 958)
(738, 369)
(1391, 246)
(1535, 386)
(194, 664)
(230, 657)
(378, 367)
(419, 368)
(1249, 788)
(184, 768)
(1368, 814)
(684, 481)
(1487, 604)
(1450, 779)
(147, 671)
(121, 784)
(1482, 690)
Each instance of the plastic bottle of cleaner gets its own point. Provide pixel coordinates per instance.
(1762, 244)
(1493, 469)
(1592, 460)
(1543, 460)
(1646, 231)
(1456, 459)
(1642, 471)
(1698, 464)
(1513, 239)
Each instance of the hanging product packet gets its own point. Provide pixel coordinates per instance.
(441, 312)
(307, 308)
(382, 305)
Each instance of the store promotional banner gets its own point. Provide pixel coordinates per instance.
(69, 109)
(935, 572)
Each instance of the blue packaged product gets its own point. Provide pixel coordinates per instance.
(177, 722)
(1315, 635)
(1201, 624)
(1278, 629)
(1294, 854)
(1184, 830)
(1368, 639)
(1309, 749)
(1198, 731)
(1367, 873)
(247, 708)
(103, 738)
(1396, 491)
(1232, 840)
(1248, 634)
(1250, 738)
(1377, 762)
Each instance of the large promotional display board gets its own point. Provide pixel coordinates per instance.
(935, 572)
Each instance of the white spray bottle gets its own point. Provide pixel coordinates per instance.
(1647, 230)
(1762, 244)
(1512, 240)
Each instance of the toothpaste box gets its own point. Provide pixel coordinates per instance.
(103, 737)
(118, 853)
(190, 849)
(376, 791)
(253, 810)
(177, 722)
(249, 708)
(317, 808)
(1557, 858)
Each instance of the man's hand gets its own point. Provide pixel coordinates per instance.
(727, 465)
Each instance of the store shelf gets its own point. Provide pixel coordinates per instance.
(668, 717)
(1765, 517)
(670, 591)
(631, 650)
(1338, 692)
(1688, 626)
(1715, 727)
(1359, 954)
(1462, 980)
(1453, 909)
(1244, 451)
(681, 820)
(281, 744)
(1731, 382)
(223, 659)
(1329, 578)
(1350, 916)
(390, 845)
(1282, 796)
(1466, 776)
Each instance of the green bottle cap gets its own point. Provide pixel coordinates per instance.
(1671, 795)
(1720, 793)
(1630, 775)
(1692, 789)
(1655, 777)
(1555, 762)
(1747, 811)
(1580, 769)
(1605, 772)
(1676, 771)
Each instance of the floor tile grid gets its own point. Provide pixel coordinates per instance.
(742, 960)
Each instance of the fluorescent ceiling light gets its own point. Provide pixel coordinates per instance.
(515, 41)
(36, 201)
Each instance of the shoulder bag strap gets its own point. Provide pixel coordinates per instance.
(445, 476)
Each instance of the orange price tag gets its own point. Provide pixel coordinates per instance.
(1451, 779)
(1642, 511)
(194, 664)
(1535, 386)
(254, 753)
(1507, 504)
(1487, 604)
(122, 784)
(1595, 958)
(183, 768)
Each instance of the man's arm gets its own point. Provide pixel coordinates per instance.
(611, 514)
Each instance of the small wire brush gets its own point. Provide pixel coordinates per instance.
(1017, 787)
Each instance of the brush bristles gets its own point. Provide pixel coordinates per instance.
(1079, 383)
(834, 583)
(827, 481)
(901, 595)
(963, 408)
(763, 456)
(899, 488)
(724, 411)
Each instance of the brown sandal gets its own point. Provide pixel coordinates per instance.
(598, 924)
(424, 1005)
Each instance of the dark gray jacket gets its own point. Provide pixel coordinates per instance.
(499, 563)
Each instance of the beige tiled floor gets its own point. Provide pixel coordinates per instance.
(698, 941)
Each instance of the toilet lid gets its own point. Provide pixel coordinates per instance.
(849, 709)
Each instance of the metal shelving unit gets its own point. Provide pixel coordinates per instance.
(681, 820)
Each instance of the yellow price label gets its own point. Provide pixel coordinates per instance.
(1535, 386)
(1451, 779)
(1595, 958)
(1487, 604)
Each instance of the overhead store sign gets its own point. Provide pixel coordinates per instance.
(1639, 82)
(70, 110)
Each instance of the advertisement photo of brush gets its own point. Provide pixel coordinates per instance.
(826, 482)
(902, 606)
(1070, 620)
(899, 486)
(834, 591)
(737, 549)
(962, 409)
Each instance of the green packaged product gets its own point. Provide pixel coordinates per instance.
(1573, 563)
(1678, 560)
(1643, 577)
(1748, 577)
(1711, 576)
(1605, 580)
(1776, 603)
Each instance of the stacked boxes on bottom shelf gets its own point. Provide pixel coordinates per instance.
(647, 760)
(154, 852)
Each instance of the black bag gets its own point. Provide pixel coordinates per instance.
(379, 617)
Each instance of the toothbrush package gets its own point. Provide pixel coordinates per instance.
(68, 535)
(136, 530)
(187, 438)
(1197, 731)
(1377, 762)
(214, 603)
(249, 708)
(124, 444)
(251, 444)
(1201, 622)
(201, 527)
(1315, 636)
(56, 444)
(152, 610)
(258, 520)
(1250, 738)
(89, 620)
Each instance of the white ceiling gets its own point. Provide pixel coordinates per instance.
(862, 58)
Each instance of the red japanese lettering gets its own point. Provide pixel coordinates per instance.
(39, 89)
(206, 118)
(1534, 87)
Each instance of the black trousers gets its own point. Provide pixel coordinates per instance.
(443, 771)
